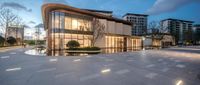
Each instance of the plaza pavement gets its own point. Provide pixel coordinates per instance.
(171, 66)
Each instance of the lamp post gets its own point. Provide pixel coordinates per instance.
(143, 39)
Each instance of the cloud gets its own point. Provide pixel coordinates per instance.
(15, 6)
(55, 1)
(164, 6)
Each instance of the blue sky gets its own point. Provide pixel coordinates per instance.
(30, 10)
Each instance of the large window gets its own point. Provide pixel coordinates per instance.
(56, 20)
(136, 44)
(60, 37)
(114, 44)
(84, 40)
(68, 22)
(61, 20)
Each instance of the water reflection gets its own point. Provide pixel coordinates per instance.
(36, 52)
(103, 50)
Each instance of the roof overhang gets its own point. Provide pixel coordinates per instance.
(46, 8)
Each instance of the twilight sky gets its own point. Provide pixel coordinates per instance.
(30, 10)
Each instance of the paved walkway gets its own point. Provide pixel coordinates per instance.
(151, 67)
(4, 49)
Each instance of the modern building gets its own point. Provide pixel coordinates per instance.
(139, 23)
(64, 23)
(180, 29)
(17, 32)
(196, 34)
(160, 40)
(104, 12)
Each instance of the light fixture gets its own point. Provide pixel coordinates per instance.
(77, 60)
(180, 82)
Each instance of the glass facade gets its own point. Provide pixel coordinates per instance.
(114, 44)
(136, 44)
(65, 27)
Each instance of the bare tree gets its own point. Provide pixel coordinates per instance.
(38, 31)
(18, 25)
(157, 31)
(98, 30)
(6, 19)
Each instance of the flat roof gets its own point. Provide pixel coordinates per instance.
(178, 20)
(135, 14)
(46, 8)
(103, 11)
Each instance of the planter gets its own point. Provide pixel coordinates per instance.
(83, 51)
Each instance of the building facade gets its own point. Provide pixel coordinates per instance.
(180, 29)
(107, 13)
(64, 23)
(139, 23)
(196, 34)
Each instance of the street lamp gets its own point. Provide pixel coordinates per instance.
(143, 39)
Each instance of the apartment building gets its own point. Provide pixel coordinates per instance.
(180, 29)
(196, 34)
(139, 23)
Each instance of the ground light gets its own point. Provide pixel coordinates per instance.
(14, 69)
(76, 60)
(105, 71)
(180, 82)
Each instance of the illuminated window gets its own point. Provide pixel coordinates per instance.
(57, 20)
(68, 22)
(74, 24)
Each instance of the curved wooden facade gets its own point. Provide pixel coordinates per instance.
(63, 23)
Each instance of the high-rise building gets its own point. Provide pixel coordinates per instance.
(196, 34)
(139, 23)
(180, 29)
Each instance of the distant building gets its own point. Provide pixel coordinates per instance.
(139, 23)
(28, 38)
(104, 12)
(17, 32)
(196, 34)
(180, 29)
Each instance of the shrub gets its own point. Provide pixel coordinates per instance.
(2, 40)
(11, 40)
(91, 48)
(73, 44)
